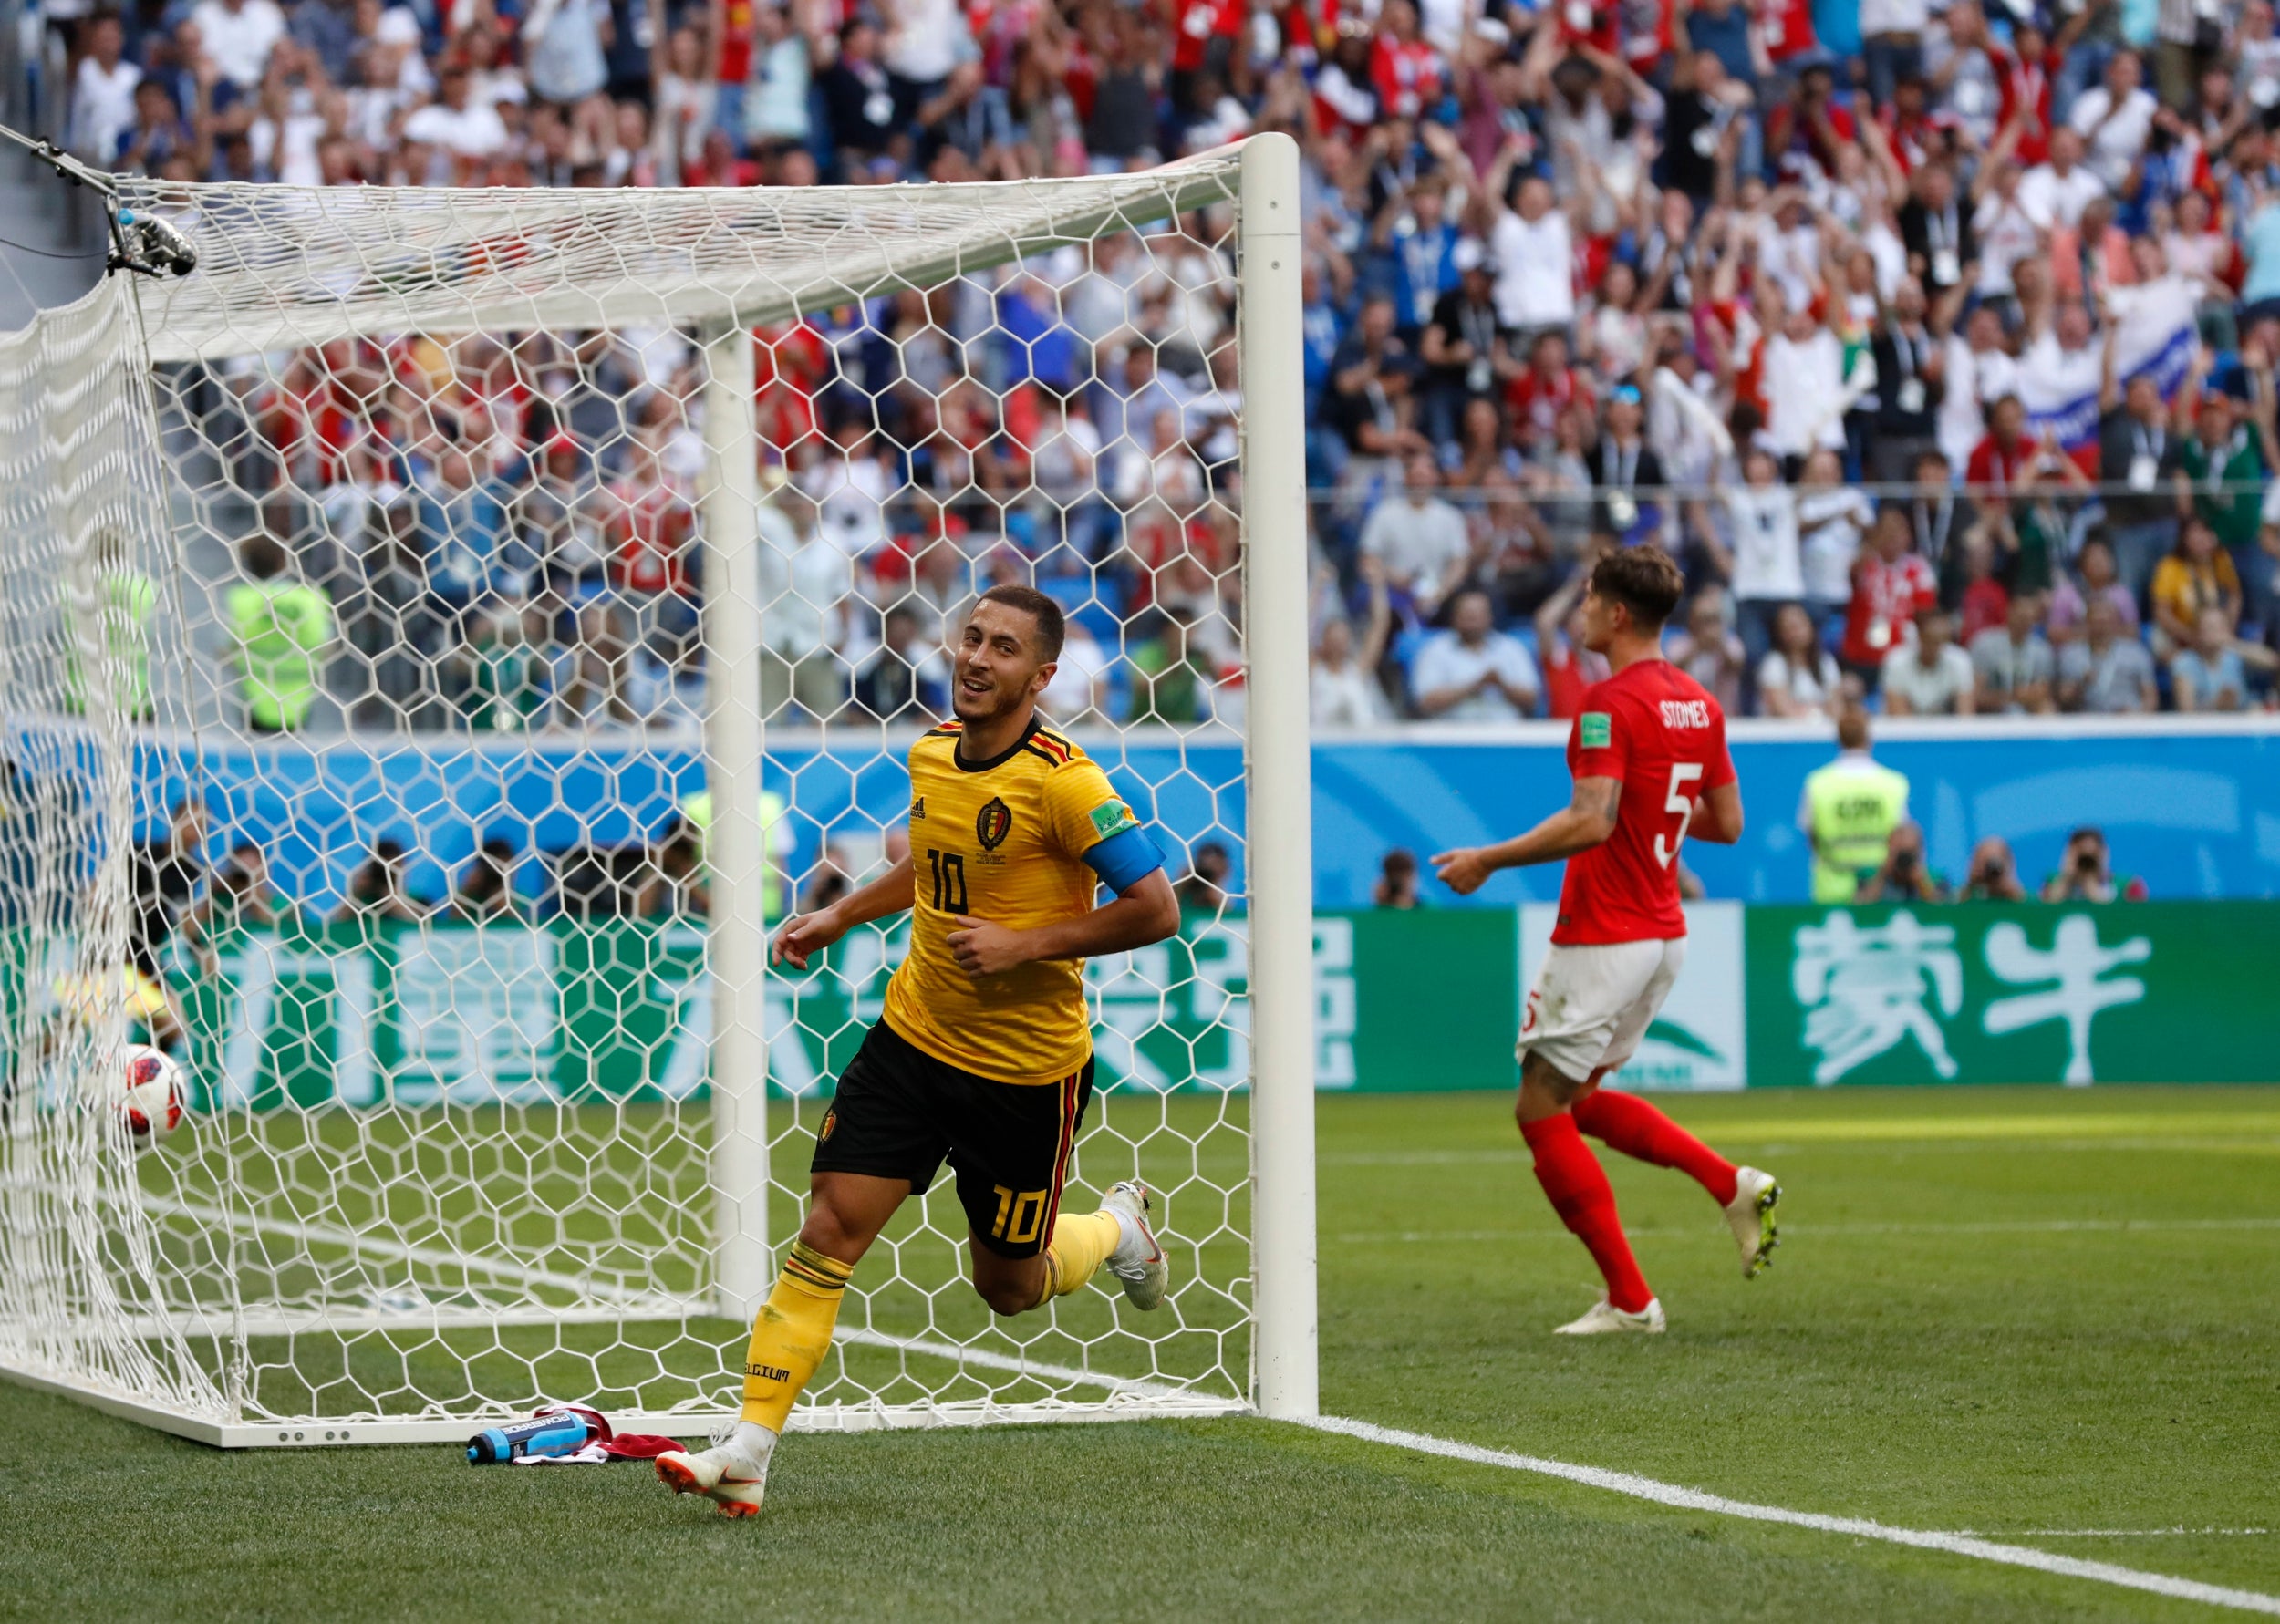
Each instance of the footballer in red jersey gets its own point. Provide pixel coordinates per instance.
(1649, 758)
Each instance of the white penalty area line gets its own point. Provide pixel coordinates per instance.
(2102, 1533)
(1669, 1493)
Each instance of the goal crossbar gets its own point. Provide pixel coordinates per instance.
(279, 266)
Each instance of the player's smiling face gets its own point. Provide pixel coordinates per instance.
(997, 668)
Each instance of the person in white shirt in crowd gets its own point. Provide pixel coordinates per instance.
(1078, 695)
(2013, 664)
(238, 36)
(562, 48)
(1831, 517)
(1419, 539)
(103, 95)
(2055, 193)
(1535, 255)
(1799, 677)
(1965, 67)
(1767, 568)
(849, 485)
(1343, 688)
(2114, 121)
(1473, 672)
(2006, 233)
(1980, 372)
(1931, 678)
(804, 580)
(1807, 391)
(2062, 359)
(460, 130)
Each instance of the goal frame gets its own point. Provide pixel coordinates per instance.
(1284, 1378)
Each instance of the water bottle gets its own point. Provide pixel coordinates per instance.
(549, 1432)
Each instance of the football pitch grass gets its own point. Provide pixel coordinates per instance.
(2048, 1317)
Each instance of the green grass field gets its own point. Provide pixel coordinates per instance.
(2048, 1317)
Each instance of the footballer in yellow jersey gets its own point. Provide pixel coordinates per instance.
(983, 1055)
(1019, 839)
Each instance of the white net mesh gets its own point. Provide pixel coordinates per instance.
(379, 674)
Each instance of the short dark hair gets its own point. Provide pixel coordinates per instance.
(1052, 628)
(1643, 580)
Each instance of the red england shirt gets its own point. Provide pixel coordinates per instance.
(1885, 598)
(1659, 731)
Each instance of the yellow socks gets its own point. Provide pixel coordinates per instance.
(1081, 1244)
(792, 1333)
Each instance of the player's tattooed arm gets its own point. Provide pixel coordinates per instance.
(1586, 820)
(893, 892)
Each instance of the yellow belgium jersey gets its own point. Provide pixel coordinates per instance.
(1002, 839)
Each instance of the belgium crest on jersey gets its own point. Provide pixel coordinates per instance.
(992, 823)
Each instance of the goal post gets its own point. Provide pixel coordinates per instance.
(449, 628)
(1281, 812)
(736, 740)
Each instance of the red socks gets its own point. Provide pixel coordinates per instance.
(1577, 1186)
(1626, 1122)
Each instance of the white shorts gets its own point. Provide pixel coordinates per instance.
(1591, 1005)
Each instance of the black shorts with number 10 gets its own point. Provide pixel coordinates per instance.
(898, 1112)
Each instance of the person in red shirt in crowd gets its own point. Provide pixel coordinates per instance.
(1986, 602)
(1649, 757)
(1809, 131)
(652, 546)
(1647, 34)
(1547, 388)
(1913, 133)
(1889, 583)
(1784, 27)
(1404, 70)
(2032, 67)
(2003, 458)
(1203, 41)
(1588, 26)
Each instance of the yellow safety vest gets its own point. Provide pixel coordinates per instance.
(698, 810)
(1854, 806)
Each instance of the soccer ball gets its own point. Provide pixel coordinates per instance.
(153, 1094)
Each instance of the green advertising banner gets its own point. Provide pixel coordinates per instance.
(2131, 992)
(1405, 1001)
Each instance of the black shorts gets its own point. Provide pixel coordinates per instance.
(898, 1112)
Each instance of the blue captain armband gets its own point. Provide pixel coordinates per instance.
(1125, 859)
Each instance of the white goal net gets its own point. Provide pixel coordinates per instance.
(445, 633)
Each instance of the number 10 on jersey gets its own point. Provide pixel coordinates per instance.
(949, 871)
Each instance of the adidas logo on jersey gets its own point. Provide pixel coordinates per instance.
(918, 810)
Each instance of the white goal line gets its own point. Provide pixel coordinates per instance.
(1669, 1493)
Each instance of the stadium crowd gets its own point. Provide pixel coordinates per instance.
(1936, 341)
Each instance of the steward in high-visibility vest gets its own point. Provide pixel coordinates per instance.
(696, 810)
(1850, 808)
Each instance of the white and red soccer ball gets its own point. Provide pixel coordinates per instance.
(153, 1094)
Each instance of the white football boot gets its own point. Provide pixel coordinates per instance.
(1138, 1262)
(1751, 1215)
(1605, 1319)
(731, 1478)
